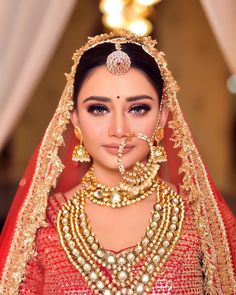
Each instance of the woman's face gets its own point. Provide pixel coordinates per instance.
(109, 108)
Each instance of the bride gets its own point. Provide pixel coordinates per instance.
(116, 198)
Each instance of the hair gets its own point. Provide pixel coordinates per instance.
(97, 56)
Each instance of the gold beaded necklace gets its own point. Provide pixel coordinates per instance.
(90, 258)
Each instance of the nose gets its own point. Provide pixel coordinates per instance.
(118, 126)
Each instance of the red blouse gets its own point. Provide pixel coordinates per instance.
(50, 272)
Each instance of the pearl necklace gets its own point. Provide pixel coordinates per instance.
(90, 258)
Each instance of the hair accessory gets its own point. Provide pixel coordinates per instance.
(80, 154)
(118, 62)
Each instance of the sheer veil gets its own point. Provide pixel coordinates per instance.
(51, 170)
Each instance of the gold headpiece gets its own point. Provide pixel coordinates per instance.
(118, 62)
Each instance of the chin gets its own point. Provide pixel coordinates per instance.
(111, 163)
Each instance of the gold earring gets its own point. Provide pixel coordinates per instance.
(160, 153)
(80, 154)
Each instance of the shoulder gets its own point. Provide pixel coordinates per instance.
(59, 199)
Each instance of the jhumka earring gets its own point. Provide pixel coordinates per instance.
(80, 154)
(158, 135)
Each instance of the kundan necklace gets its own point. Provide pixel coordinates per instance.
(108, 273)
(113, 196)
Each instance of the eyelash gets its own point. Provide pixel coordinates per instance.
(100, 110)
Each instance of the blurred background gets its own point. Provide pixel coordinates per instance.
(37, 39)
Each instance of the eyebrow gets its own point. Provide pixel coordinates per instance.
(107, 99)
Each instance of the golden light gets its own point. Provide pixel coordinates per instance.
(111, 6)
(128, 14)
(147, 2)
(113, 21)
(140, 27)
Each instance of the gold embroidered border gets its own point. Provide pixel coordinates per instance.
(32, 213)
(217, 257)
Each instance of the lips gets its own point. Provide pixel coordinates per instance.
(113, 148)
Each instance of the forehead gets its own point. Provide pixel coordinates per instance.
(101, 82)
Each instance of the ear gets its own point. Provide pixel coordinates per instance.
(74, 118)
(164, 116)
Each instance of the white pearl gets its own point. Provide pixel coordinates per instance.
(176, 210)
(107, 292)
(94, 247)
(130, 257)
(86, 232)
(81, 260)
(145, 241)
(71, 244)
(161, 251)
(156, 259)
(65, 212)
(111, 259)
(64, 221)
(90, 239)
(174, 219)
(156, 216)
(150, 268)
(175, 201)
(145, 278)
(121, 260)
(122, 275)
(82, 216)
(140, 288)
(93, 276)
(87, 267)
(68, 237)
(138, 249)
(100, 285)
(158, 207)
(169, 235)
(166, 243)
(75, 252)
(173, 227)
(100, 253)
(154, 224)
(150, 233)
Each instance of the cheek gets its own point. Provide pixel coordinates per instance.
(145, 125)
(92, 128)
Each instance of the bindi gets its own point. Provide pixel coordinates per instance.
(118, 97)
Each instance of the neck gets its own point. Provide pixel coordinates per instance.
(109, 177)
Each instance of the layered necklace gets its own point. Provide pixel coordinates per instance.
(106, 272)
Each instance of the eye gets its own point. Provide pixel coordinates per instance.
(97, 110)
(140, 109)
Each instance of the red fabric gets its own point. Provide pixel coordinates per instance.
(10, 223)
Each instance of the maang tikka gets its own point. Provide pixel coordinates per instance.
(80, 154)
(118, 62)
